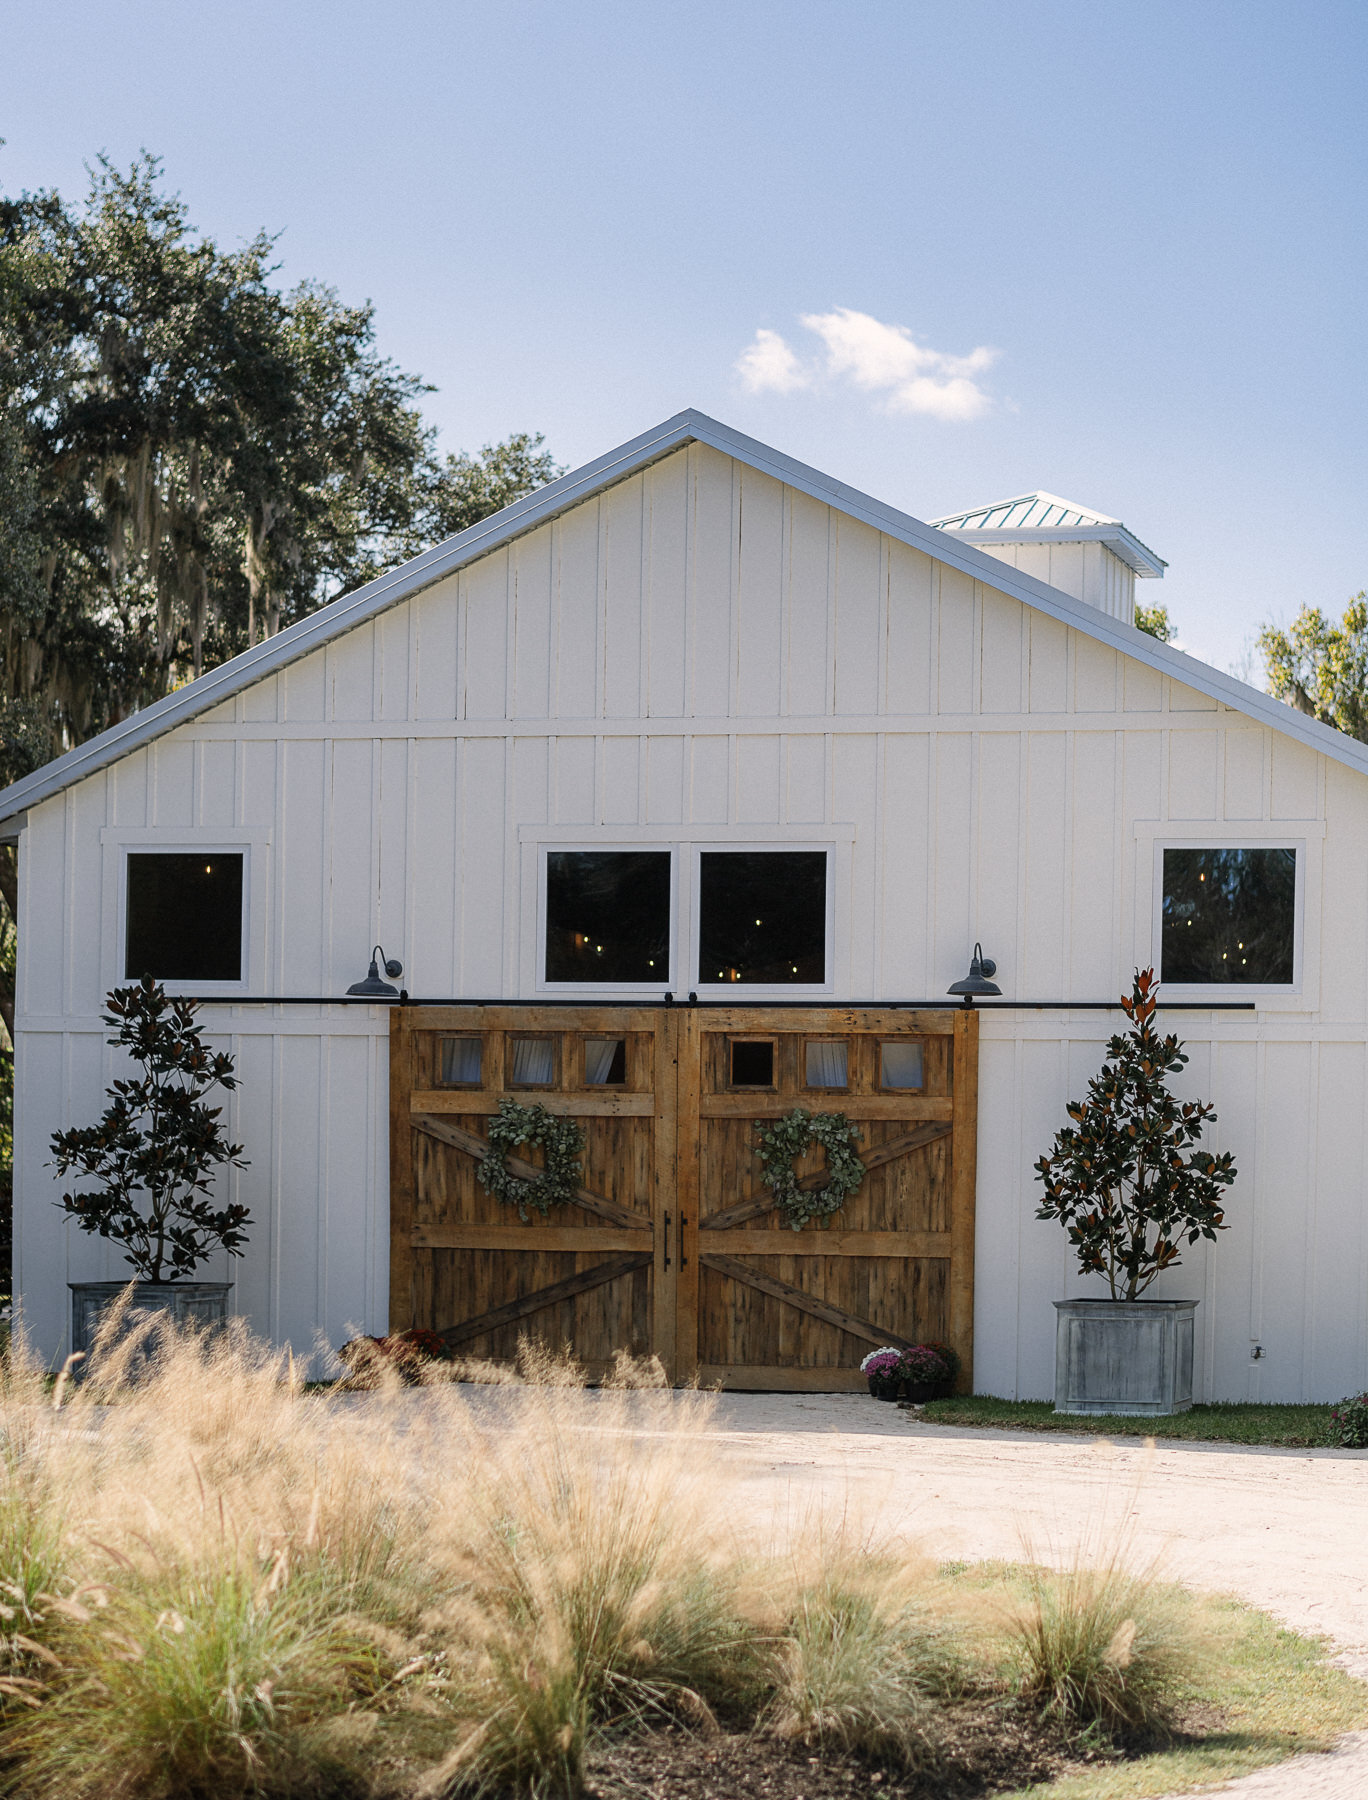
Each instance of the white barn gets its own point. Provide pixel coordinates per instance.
(690, 656)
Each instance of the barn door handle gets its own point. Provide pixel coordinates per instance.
(667, 1240)
(683, 1260)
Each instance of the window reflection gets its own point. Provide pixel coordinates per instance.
(184, 916)
(762, 917)
(1229, 915)
(608, 916)
(900, 1066)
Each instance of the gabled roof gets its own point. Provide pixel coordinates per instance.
(1043, 518)
(514, 521)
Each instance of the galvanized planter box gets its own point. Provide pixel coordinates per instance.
(1124, 1356)
(187, 1302)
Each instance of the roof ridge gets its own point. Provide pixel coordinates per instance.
(1041, 495)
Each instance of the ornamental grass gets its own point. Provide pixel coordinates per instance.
(217, 1582)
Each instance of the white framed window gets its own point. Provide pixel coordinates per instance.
(797, 950)
(606, 918)
(1228, 916)
(763, 919)
(187, 908)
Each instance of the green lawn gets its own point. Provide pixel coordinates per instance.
(1227, 1422)
(1273, 1695)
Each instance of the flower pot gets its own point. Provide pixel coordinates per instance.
(921, 1391)
(184, 1302)
(883, 1387)
(1132, 1357)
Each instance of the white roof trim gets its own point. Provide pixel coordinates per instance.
(434, 565)
(1122, 543)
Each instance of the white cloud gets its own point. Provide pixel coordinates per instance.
(768, 366)
(881, 359)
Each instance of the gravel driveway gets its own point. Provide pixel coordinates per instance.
(1284, 1529)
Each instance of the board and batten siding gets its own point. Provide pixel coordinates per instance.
(1088, 571)
(702, 650)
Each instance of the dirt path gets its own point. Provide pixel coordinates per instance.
(1285, 1529)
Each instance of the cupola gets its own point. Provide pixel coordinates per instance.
(1082, 552)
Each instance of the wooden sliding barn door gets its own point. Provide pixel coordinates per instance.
(672, 1245)
(596, 1275)
(763, 1306)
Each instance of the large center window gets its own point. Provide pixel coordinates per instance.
(608, 917)
(1229, 916)
(762, 917)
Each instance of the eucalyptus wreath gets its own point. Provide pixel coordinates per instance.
(780, 1146)
(561, 1139)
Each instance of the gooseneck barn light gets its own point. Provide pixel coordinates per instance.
(373, 988)
(977, 982)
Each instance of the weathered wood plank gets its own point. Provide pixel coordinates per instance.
(761, 1200)
(963, 1188)
(601, 1021)
(761, 1104)
(685, 1040)
(662, 1074)
(401, 1174)
(808, 1303)
(473, 1145)
(828, 1021)
(601, 1103)
(541, 1298)
(524, 1239)
(814, 1242)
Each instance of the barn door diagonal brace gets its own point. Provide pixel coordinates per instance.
(540, 1298)
(808, 1303)
(753, 1205)
(473, 1145)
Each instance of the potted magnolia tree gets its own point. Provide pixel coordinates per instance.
(145, 1170)
(1131, 1184)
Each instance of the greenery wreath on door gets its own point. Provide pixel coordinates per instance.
(781, 1145)
(561, 1139)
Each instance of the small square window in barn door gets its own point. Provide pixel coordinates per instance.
(671, 1242)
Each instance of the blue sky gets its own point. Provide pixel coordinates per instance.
(1117, 251)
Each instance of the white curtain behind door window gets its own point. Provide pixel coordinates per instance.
(902, 1066)
(532, 1062)
(460, 1059)
(826, 1065)
(598, 1059)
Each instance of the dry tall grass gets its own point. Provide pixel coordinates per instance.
(213, 1582)
(1100, 1639)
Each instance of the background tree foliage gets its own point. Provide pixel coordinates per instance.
(191, 459)
(1154, 622)
(1322, 668)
